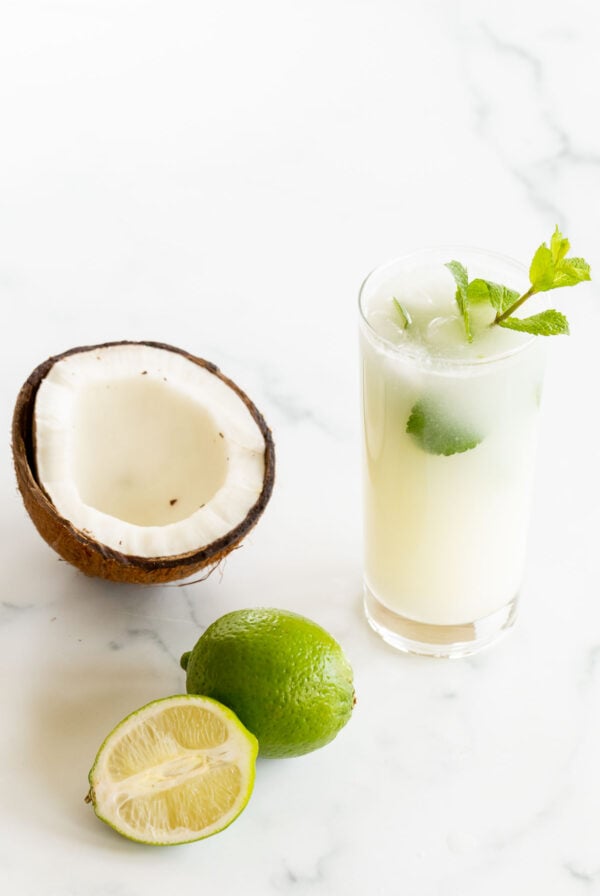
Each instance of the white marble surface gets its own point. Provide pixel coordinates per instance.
(221, 176)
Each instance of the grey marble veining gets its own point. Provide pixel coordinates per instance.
(525, 71)
(222, 178)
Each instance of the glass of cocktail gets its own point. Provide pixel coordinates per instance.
(450, 409)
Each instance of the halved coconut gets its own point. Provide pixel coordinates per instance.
(138, 462)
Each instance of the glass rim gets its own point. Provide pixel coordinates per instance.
(439, 361)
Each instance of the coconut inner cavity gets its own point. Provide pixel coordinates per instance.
(143, 452)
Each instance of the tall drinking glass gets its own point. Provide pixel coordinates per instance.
(449, 450)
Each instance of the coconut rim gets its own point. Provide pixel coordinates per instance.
(26, 466)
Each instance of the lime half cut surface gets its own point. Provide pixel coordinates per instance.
(176, 770)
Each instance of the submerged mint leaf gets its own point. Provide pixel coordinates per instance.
(461, 278)
(437, 433)
(403, 313)
(546, 323)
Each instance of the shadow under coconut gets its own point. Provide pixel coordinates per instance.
(115, 616)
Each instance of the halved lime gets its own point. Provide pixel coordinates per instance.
(176, 770)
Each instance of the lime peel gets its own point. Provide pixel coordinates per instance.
(284, 676)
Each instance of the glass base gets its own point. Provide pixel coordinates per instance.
(445, 641)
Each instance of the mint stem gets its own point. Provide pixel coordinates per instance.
(526, 295)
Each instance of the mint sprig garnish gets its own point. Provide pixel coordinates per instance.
(550, 269)
(429, 423)
(546, 323)
(436, 432)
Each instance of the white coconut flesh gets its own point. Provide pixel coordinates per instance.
(145, 451)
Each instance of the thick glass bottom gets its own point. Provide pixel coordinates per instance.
(445, 641)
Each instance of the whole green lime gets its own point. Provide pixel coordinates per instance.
(283, 675)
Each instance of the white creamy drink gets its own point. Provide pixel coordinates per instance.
(449, 445)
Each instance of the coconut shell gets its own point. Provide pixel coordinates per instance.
(88, 555)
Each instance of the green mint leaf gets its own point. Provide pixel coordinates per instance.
(507, 298)
(478, 290)
(403, 314)
(572, 271)
(541, 270)
(559, 246)
(551, 269)
(500, 297)
(437, 433)
(461, 278)
(546, 323)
